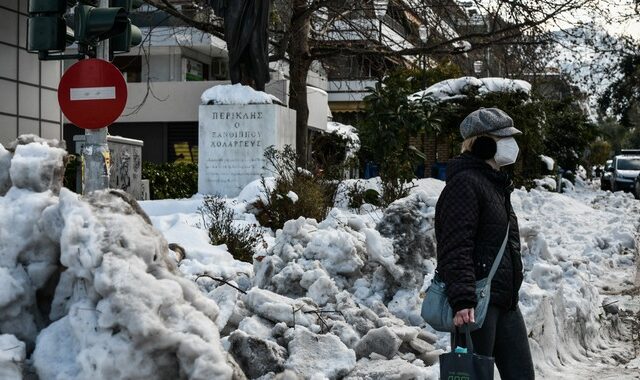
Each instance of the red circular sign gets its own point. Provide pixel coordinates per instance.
(92, 93)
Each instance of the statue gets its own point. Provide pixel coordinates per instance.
(245, 31)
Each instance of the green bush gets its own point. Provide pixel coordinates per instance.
(358, 196)
(171, 181)
(241, 242)
(391, 122)
(315, 194)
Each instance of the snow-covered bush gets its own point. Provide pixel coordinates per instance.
(218, 220)
(296, 192)
(334, 153)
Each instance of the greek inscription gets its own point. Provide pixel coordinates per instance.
(257, 115)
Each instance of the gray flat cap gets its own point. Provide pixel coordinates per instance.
(491, 121)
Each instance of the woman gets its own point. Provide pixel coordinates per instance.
(472, 216)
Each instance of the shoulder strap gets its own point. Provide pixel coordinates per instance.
(496, 262)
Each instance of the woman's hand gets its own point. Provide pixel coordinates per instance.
(464, 316)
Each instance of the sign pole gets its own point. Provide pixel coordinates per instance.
(96, 159)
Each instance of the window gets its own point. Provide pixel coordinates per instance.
(194, 71)
(130, 66)
(629, 164)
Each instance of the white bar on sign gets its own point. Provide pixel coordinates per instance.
(93, 93)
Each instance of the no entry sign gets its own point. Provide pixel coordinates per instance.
(92, 93)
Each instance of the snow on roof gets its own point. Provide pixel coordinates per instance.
(452, 89)
(236, 94)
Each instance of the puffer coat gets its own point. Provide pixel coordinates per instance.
(472, 214)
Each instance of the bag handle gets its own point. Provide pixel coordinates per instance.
(496, 262)
(469, 342)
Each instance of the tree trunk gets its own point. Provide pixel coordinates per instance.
(299, 63)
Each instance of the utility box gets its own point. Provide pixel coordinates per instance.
(125, 169)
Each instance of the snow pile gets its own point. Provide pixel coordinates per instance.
(237, 94)
(28, 255)
(5, 164)
(546, 183)
(349, 133)
(321, 288)
(409, 222)
(90, 290)
(574, 250)
(12, 355)
(90, 283)
(120, 295)
(459, 88)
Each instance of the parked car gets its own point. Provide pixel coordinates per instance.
(605, 179)
(624, 170)
(636, 187)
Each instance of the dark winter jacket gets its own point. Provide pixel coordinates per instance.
(471, 223)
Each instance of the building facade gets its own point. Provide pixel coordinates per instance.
(28, 86)
(167, 74)
(382, 26)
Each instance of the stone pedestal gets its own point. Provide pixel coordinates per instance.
(125, 164)
(232, 140)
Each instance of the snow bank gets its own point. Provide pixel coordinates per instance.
(338, 298)
(94, 278)
(574, 251)
(237, 94)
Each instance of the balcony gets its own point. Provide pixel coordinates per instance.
(386, 32)
(350, 90)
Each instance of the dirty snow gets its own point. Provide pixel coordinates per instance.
(326, 299)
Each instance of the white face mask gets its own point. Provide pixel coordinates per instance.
(506, 151)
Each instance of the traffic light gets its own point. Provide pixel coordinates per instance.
(132, 36)
(47, 29)
(96, 24)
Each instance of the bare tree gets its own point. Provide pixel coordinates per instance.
(303, 31)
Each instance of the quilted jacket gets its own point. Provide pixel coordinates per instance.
(472, 214)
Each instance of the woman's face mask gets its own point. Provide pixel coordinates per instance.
(506, 151)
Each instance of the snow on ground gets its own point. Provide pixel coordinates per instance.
(327, 299)
(577, 248)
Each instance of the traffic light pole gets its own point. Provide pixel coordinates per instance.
(96, 158)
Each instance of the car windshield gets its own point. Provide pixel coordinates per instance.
(629, 164)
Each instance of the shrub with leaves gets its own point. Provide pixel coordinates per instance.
(358, 196)
(391, 122)
(568, 133)
(172, 180)
(241, 242)
(297, 192)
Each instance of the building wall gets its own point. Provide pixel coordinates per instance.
(28, 87)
